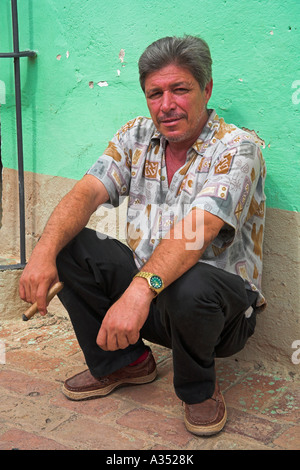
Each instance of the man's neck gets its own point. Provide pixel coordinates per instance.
(176, 152)
(174, 161)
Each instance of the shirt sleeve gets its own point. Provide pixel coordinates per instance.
(232, 181)
(113, 170)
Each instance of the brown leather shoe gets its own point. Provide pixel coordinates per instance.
(84, 386)
(208, 417)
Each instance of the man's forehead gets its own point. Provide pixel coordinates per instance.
(172, 75)
(172, 84)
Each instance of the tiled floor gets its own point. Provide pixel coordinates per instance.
(38, 355)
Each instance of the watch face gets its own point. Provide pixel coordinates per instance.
(156, 282)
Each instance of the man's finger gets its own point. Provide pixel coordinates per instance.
(31, 293)
(101, 338)
(112, 342)
(122, 342)
(22, 292)
(41, 298)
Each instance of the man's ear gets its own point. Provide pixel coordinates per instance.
(208, 90)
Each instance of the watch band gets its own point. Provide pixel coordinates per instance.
(155, 282)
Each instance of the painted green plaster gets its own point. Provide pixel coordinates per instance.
(68, 118)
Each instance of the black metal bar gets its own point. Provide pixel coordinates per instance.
(10, 267)
(4, 55)
(19, 130)
(16, 55)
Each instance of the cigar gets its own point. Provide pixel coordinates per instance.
(55, 289)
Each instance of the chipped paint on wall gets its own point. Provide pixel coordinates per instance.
(122, 55)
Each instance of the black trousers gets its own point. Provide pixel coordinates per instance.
(200, 316)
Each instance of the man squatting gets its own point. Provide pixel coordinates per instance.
(191, 279)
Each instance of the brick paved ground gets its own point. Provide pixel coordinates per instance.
(263, 408)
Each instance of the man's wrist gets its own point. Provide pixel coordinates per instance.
(44, 252)
(155, 282)
(141, 285)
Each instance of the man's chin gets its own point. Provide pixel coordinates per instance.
(175, 136)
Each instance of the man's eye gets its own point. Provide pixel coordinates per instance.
(155, 95)
(181, 90)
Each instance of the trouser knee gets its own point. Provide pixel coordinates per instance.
(194, 293)
(203, 305)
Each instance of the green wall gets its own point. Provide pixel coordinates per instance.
(67, 122)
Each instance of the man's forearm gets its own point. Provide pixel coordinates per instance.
(68, 218)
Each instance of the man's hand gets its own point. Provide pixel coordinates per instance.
(37, 278)
(123, 321)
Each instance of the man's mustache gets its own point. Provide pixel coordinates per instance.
(170, 117)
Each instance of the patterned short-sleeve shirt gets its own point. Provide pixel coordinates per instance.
(224, 174)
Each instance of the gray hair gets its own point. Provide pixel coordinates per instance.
(190, 52)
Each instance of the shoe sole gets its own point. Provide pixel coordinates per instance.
(77, 396)
(206, 430)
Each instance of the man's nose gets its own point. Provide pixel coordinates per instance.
(167, 102)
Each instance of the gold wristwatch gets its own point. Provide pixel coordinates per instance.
(155, 282)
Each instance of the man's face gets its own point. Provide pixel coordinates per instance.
(177, 104)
